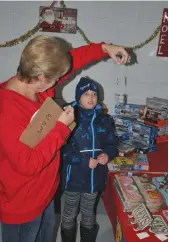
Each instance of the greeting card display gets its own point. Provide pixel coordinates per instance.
(129, 194)
(153, 199)
(141, 217)
(161, 184)
(158, 226)
(138, 189)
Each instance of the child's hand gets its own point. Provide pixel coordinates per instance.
(102, 159)
(92, 163)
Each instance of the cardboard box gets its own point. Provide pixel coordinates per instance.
(42, 123)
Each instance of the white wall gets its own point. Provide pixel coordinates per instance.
(123, 23)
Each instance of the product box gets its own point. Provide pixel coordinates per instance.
(153, 115)
(143, 133)
(146, 149)
(123, 128)
(162, 131)
(139, 147)
(121, 164)
(141, 162)
(131, 111)
(157, 103)
(125, 149)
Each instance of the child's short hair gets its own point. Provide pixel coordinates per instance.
(44, 55)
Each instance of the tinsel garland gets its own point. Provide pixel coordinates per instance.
(31, 32)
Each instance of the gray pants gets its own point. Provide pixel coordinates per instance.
(75, 201)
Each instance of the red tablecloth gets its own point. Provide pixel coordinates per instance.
(158, 163)
(158, 160)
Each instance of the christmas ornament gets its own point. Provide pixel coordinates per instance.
(31, 32)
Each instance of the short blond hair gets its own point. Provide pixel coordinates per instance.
(44, 55)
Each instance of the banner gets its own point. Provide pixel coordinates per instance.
(162, 50)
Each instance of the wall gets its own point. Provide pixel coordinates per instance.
(123, 23)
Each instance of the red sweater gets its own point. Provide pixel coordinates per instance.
(28, 177)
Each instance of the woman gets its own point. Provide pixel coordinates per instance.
(29, 177)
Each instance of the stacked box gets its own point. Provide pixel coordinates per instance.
(132, 111)
(123, 128)
(143, 133)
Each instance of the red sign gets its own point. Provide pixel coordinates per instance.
(163, 41)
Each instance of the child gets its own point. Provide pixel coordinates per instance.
(89, 148)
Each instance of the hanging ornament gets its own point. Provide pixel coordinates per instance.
(33, 31)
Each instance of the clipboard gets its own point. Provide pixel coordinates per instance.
(42, 123)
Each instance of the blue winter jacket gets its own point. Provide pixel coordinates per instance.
(93, 135)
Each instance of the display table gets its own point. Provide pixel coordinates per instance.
(158, 163)
(158, 160)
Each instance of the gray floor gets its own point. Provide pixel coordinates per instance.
(105, 231)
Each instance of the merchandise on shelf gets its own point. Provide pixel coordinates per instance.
(121, 164)
(141, 218)
(157, 103)
(135, 162)
(162, 134)
(155, 112)
(134, 190)
(139, 128)
(125, 149)
(141, 162)
(128, 192)
(140, 148)
(153, 199)
(123, 128)
(158, 225)
(146, 149)
(162, 131)
(131, 111)
(165, 214)
(153, 115)
(161, 184)
(143, 133)
(142, 137)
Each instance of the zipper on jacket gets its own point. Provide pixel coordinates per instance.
(93, 151)
(68, 171)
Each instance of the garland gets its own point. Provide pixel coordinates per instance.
(31, 32)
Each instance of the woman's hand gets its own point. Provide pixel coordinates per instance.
(115, 52)
(67, 116)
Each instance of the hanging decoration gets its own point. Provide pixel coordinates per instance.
(58, 20)
(163, 40)
(31, 32)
